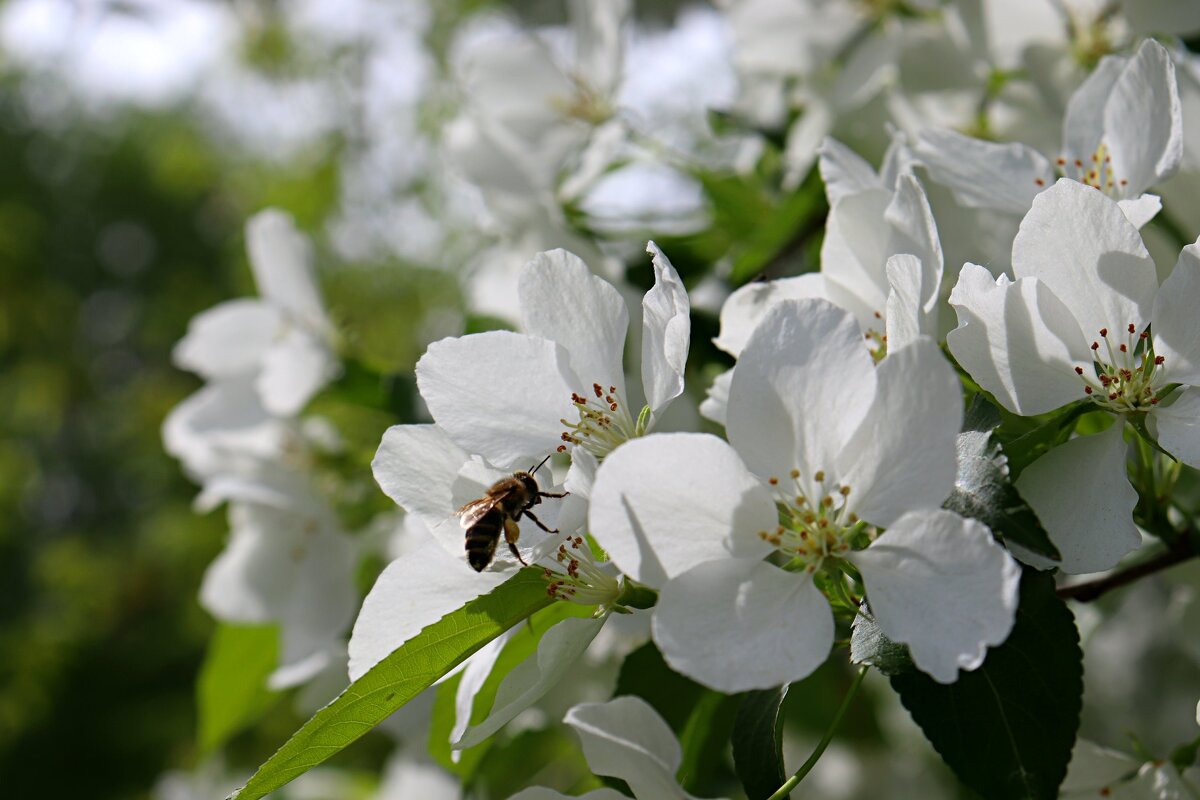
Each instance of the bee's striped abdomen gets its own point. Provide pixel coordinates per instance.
(482, 538)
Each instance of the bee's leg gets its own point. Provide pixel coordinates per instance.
(553, 494)
(512, 532)
(539, 523)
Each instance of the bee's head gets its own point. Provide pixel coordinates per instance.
(529, 482)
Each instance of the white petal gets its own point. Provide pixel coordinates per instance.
(411, 594)
(800, 389)
(739, 624)
(716, 402)
(1141, 209)
(904, 455)
(667, 330)
(625, 738)
(1080, 244)
(912, 223)
(912, 304)
(1143, 120)
(942, 585)
(844, 171)
(855, 251)
(557, 653)
(561, 300)
(1093, 767)
(1083, 125)
(499, 394)
(1017, 340)
(221, 426)
(984, 174)
(294, 369)
(474, 674)
(666, 502)
(282, 259)
(746, 307)
(803, 139)
(1080, 493)
(1177, 426)
(228, 339)
(1176, 323)
(416, 466)
(286, 568)
(598, 42)
(572, 515)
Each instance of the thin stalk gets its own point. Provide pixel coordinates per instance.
(794, 781)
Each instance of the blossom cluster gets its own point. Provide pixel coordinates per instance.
(748, 513)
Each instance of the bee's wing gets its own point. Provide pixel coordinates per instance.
(474, 511)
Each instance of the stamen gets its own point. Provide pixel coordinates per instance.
(604, 422)
(1127, 380)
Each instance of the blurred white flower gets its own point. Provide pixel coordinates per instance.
(1123, 134)
(283, 341)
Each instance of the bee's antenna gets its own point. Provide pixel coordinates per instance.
(540, 463)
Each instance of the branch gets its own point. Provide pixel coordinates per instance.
(1180, 550)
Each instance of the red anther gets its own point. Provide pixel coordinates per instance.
(1078, 164)
(612, 389)
(1132, 329)
(1159, 359)
(1062, 162)
(1095, 345)
(1124, 349)
(1079, 370)
(867, 336)
(1108, 159)
(1144, 335)
(1124, 182)
(562, 448)
(1153, 401)
(1039, 181)
(596, 388)
(1104, 331)
(1095, 157)
(1105, 380)
(612, 407)
(1112, 396)
(878, 315)
(1087, 390)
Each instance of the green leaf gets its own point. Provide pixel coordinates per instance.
(704, 738)
(645, 674)
(982, 489)
(1026, 439)
(869, 645)
(781, 229)
(231, 692)
(391, 683)
(757, 744)
(1008, 727)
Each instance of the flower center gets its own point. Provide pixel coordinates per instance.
(876, 341)
(1126, 373)
(812, 525)
(574, 576)
(604, 422)
(1096, 172)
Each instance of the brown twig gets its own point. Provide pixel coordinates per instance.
(1181, 550)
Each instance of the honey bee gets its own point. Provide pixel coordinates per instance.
(500, 508)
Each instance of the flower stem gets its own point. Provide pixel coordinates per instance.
(794, 781)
